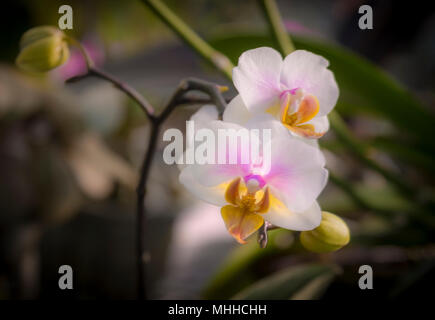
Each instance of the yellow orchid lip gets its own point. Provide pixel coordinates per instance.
(246, 202)
(240, 223)
(297, 121)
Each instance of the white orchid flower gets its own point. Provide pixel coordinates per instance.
(299, 91)
(285, 194)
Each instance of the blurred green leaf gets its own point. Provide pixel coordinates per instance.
(382, 198)
(237, 272)
(403, 152)
(297, 282)
(363, 86)
(315, 288)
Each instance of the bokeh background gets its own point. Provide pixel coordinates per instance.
(69, 156)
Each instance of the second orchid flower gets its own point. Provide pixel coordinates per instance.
(299, 91)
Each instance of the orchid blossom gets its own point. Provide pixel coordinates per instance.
(299, 91)
(284, 195)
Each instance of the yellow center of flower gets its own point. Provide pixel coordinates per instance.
(297, 108)
(247, 200)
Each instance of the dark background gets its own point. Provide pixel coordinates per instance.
(69, 153)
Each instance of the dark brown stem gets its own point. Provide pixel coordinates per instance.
(129, 91)
(191, 84)
(141, 252)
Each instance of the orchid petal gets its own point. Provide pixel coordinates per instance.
(312, 129)
(214, 195)
(308, 109)
(306, 70)
(205, 114)
(321, 124)
(240, 223)
(215, 173)
(257, 78)
(297, 175)
(264, 204)
(281, 216)
(306, 131)
(236, 111)
(232, 193)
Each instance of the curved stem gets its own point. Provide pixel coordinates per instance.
(191, 84)
(141, 252)
(131, 92)
(262, 237)
(146, 107)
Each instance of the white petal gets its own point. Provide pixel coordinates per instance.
(215, 173)
(201, 118)
(267, 121)
(257, 78)
(321, 124)
(236, 112)
(282, 217)
(309, 71)
(297, 175)
(205, 114)
(214, 195)
(211, 174)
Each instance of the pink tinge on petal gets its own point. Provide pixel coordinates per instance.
(276, 172)
(256, 77)
(258, 178)
(232, 170)
(291, 91)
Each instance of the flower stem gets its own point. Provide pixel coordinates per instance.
(220, 61)
(141, 213)
(273, 17)
(146, 107)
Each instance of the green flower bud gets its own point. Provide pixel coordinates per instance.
(331, 235)
(42, 49)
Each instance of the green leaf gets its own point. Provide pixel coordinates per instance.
(401, 150)
(297, 282)
(237, 270)
(363, 86)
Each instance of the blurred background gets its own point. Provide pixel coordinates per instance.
(70, 154)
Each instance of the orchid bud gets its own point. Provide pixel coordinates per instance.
(42, 49)
(331, 235)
